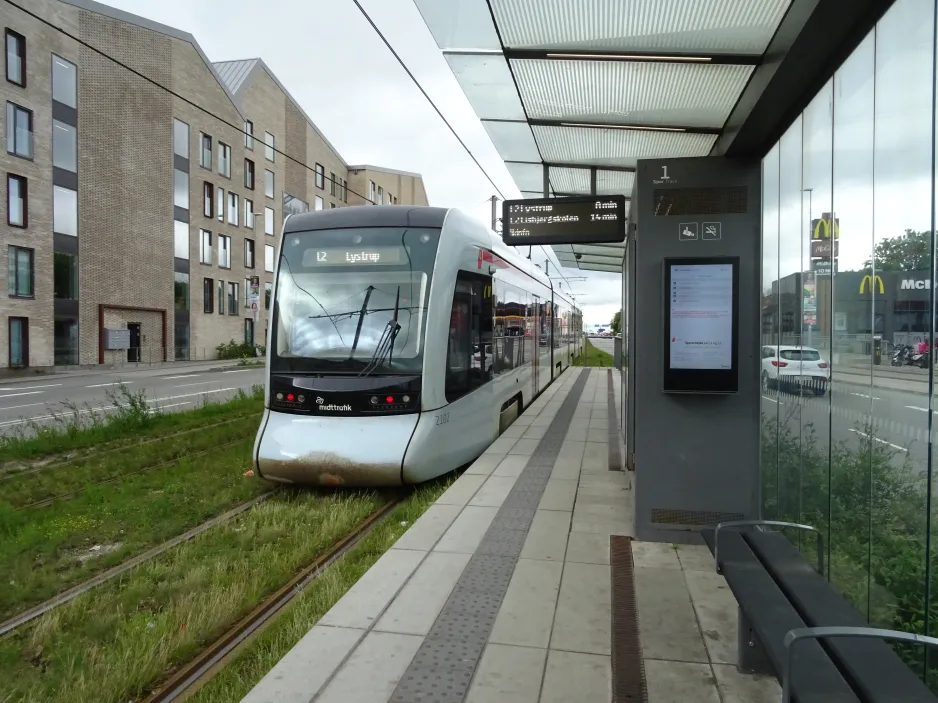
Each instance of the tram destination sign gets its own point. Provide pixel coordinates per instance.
(591, 219)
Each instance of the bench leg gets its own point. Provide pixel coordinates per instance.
(752, 657)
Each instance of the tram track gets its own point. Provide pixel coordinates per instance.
(198, 671)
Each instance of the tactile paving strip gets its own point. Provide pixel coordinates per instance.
(442, 669)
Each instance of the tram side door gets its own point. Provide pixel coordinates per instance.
(536, 342)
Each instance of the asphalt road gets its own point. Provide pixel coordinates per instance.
(42, 398)
(605, 344)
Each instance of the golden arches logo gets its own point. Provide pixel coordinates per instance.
(487, 292)
(826, 223)
(872, 280)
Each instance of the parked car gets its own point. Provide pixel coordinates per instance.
(795, 368)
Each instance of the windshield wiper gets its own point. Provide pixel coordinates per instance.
(361, 319)
(385, 346)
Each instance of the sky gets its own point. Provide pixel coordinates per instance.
(344, 77)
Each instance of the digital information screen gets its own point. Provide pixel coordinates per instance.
(590, 219)
(352, 256)
(702, 326)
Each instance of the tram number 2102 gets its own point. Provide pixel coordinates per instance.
(442, 419)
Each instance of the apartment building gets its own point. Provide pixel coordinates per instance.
(140, 223)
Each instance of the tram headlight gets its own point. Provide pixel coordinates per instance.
(374, 400)
(424, 238)
(406, 398)
(280, 396)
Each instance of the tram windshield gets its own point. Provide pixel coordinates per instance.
(353, 300)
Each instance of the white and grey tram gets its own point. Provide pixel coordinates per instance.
(402, 341)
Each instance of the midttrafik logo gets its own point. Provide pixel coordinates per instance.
(332, 407)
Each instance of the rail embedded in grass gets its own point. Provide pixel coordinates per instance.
(115, 642)
(129, 416)
(44, 552)
(595, 357)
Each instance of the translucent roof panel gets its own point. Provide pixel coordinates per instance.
(614, 147)
(528, 177)
(534, 194)
(513, 140)
(459, 24)
(615, 182)
(624, 92)
(487, 83)
(614, 250)
(570, 180)
(689, 26)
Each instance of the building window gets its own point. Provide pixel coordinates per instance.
(17, 201)
(344, 191)
(19, 342)
(269, 183)
(268, 292)
(332, 184)
(232, 298)
(249, 174)
(180, 189)
(19, 131)
(320, 177)
(318, 203)
(224, 251)
(208, 295)
(20, 273)
(248, 134)
(181, 240)
(224, 159)
(248, 331)
(268, 220)
(208, 199)
(248, 253)
(220, 203)
(269, 258)
(249, 213)
(64, 211)
(221, 297)
(65, 339)
(331, 206)
(65, 82)
(205, 158)
(371, 191)
(247, 292)
(181, 290)
(233, 207)
(395, 200)
(205, 247)
(16, 58)
(380, 195)
(180, 138)
(268, 146)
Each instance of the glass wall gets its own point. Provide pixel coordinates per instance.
(848, 328)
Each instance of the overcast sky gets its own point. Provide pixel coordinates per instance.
(338, 69)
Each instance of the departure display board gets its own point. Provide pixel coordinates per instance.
(353, 256)
(593, 219)
(701, 309)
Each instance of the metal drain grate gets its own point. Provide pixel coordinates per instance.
(615, 456)
(442, 669)
(628, 668)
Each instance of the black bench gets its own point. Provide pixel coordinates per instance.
(794, 625)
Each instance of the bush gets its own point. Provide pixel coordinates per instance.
(234, 350)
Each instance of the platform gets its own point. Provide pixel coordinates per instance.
(502, 591)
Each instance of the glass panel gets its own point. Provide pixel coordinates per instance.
(64, 81)
(224, 159)
(570, 180)
(248, 134)
(208, 291)
(249, 253)
(24, 272)
(902, 236)
(181, 330)
(18, 337)
(487, 83)
(181, 290)
(630, 92)
(527, 176)
(65, 211)
(459, 24)
(65, 332)
(180, 189)
(16, 200)
(233, 208)
(64, 146)
(205, 255)
(220, 204)
(614, 182)
(268, 291)
(770, 331)
(221, 297)
(269, 146)
(852, 316)
(268, 258)
(206, 156)
(268, 220)
(318, 203)
(180, 138)
(294, 206)
(613, 147)
(181, 240)
(268, 183)
(15, 49)
(224, 254)
(513, 140)
(705, 26)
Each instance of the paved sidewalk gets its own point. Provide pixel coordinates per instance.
(103, 370)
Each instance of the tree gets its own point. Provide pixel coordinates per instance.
(911, 251)
(616, 323)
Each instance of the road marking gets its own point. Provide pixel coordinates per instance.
(924, 410)
(241, 370)
(17, 407)
(173, 405)
(29, 388)
(864, 395)
(881, 441)
(771, 400)
(192, 375)
(198, 383)
(14, 395)
(190, 395)
(115, 383)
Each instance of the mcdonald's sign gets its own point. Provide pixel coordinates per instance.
(872, 281)
(821, 228)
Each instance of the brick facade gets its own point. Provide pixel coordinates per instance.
(125, 176)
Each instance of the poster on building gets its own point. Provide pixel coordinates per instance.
(255, 295)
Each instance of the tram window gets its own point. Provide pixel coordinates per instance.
(469, 353)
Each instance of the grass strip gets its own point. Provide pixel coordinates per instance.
(132, 418)
(114, 643)
(594, 357)
(25, 489)
(250, 665)
(46, 550)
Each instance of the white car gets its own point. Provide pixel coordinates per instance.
(795, 368)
